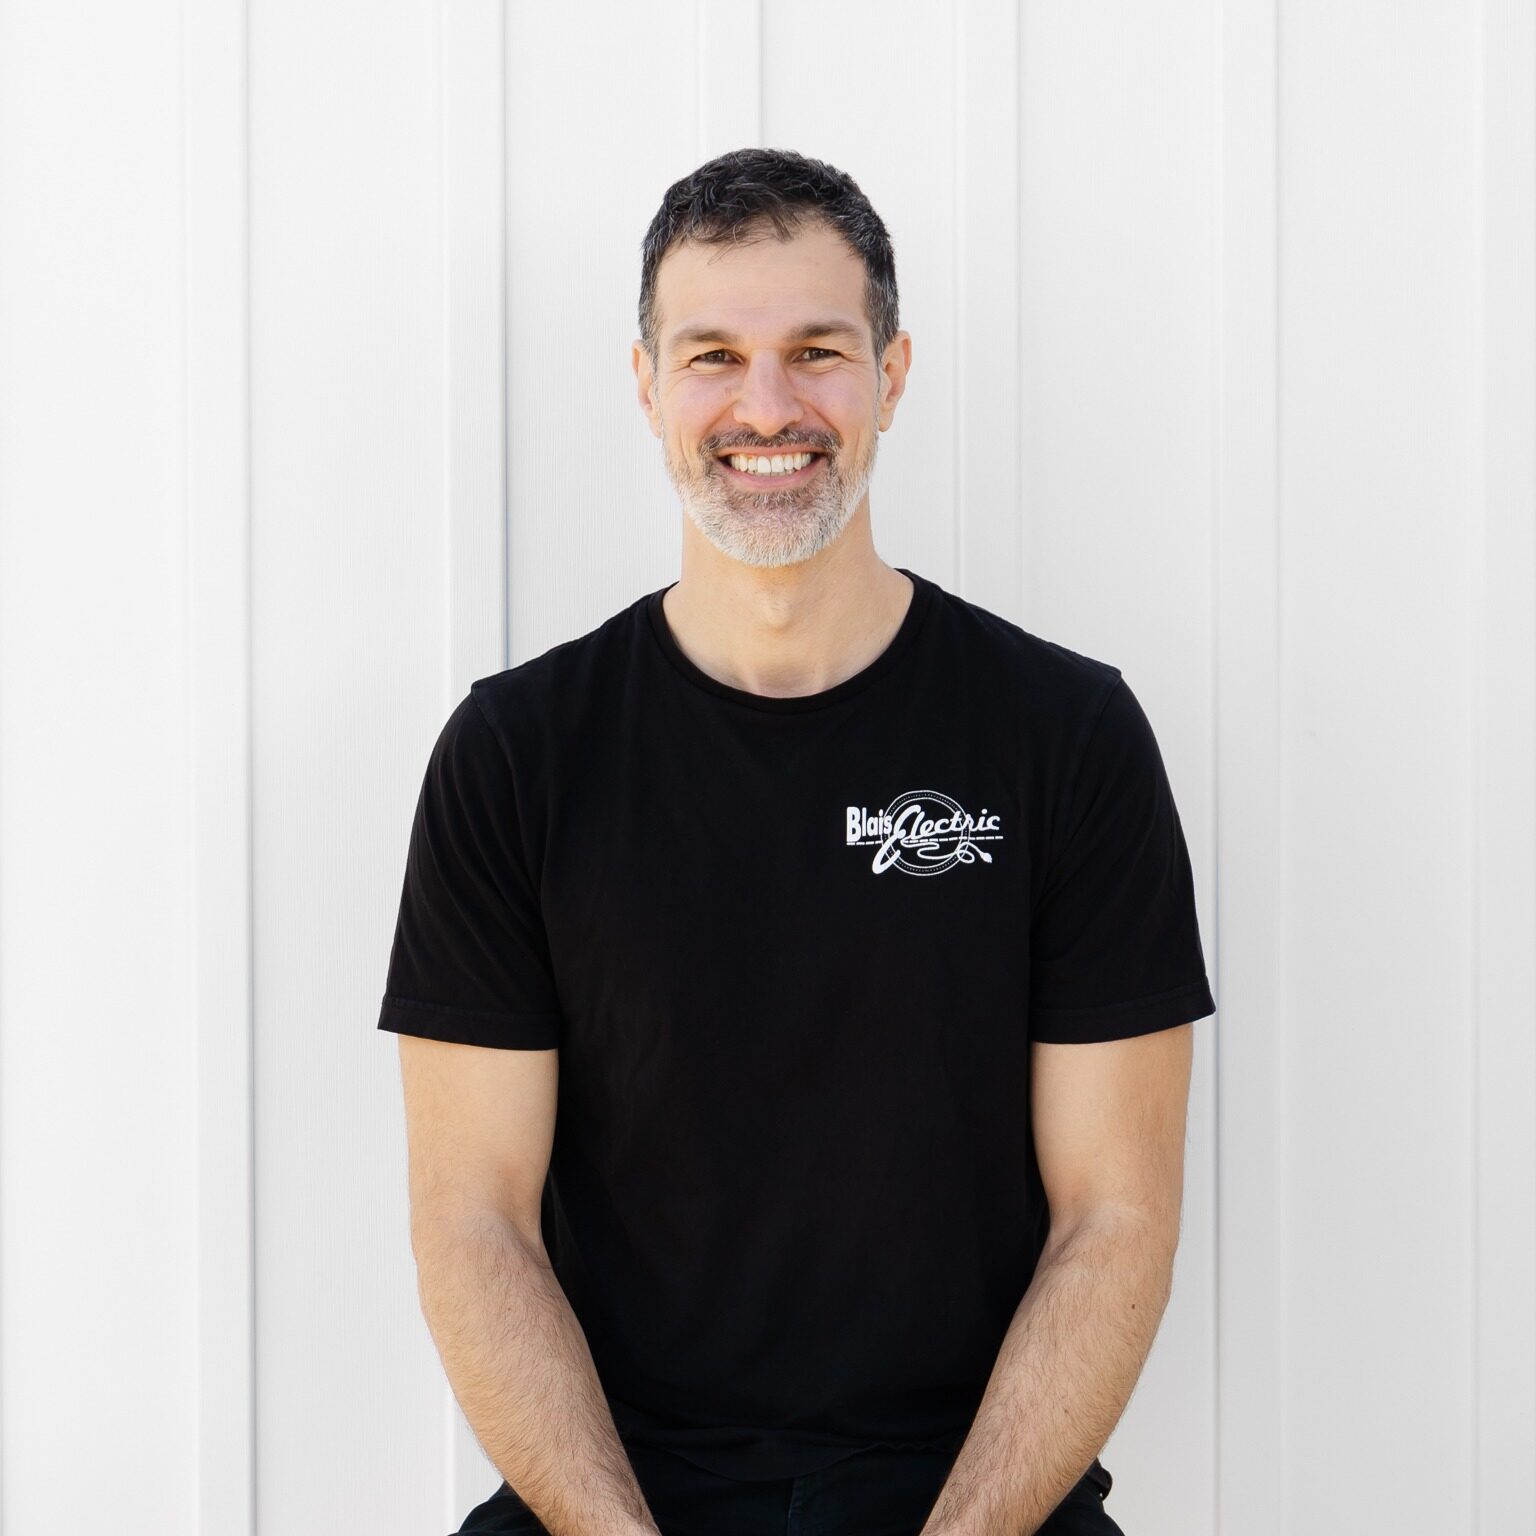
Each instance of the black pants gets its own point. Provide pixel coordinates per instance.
(871, 1493)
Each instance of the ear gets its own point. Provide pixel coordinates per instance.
(893, 375)
(645, 381)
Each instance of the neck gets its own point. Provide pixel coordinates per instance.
(791, 630)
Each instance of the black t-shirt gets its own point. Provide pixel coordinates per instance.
(793, 952)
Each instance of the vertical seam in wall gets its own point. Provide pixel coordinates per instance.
(1282, 925)
(202, 1406)
(1475, 617)
(957, 268)
(1017, 194)
(1217, 422)
(188, 672)
(1025, 565)
(248, 577)
(504, 414)
(445, 367)
(698, 78)
(217, 607)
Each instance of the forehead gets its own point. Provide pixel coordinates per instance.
(762, 286)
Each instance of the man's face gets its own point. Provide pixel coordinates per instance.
(764, 350)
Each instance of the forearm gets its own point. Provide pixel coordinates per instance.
(1066, 1369)
(521, 1369)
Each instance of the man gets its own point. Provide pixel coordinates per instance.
(861, 926)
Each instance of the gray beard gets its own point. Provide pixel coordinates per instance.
(773, 527)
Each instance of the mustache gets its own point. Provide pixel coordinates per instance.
(813, 441)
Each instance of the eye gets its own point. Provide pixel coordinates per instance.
(720, 352)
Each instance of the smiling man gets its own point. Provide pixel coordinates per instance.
(769, 399)
(794, 979)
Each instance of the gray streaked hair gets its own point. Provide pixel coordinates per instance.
(737, 196)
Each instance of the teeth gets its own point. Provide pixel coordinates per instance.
(779, 464)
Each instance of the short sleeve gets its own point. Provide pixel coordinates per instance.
(470, 960)
(1114, 939)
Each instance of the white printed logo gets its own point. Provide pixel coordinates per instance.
(923, 833)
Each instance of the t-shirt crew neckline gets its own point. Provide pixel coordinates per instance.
(917, 610)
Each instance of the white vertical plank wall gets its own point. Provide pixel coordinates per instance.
(1379, 445)
(1117, 184)
(217, 514)
(1493, 1025)
(360, 611)
(1246, 1493)
(101, 1074)
(316, 403)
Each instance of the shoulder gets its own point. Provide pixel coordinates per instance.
(1057, 689)
(549, 690)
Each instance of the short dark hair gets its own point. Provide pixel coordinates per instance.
(737, 194)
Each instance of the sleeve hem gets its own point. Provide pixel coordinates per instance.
(464, 1026)
(1120, 1021)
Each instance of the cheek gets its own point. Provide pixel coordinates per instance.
(843, 402)
(694, 410)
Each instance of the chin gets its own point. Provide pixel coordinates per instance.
(757, 538)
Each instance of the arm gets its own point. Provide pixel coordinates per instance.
(480, 1125)
(1109, 1119)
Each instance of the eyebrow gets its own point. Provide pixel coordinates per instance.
(695, 335)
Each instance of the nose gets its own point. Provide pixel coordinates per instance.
(767, 401)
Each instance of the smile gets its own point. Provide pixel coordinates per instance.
(774, 470)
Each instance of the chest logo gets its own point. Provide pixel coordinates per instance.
(922, 833)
